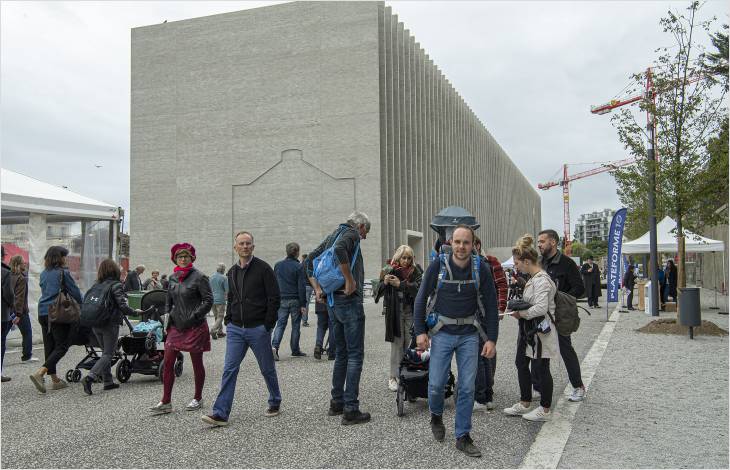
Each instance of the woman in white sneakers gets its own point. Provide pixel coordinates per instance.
(536, 330)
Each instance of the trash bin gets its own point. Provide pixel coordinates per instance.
(134, 298)
(647, 298)
(690, 313)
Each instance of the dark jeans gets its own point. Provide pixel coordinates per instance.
(348, 321)
(107, 337)
(6, 325)
(533, 373)
(26, 330)
(483, 391)
(324, 324)
(288, 307)
(570, 358)
(55, 342)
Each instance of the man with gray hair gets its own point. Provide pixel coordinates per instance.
(348, 316)
(219, 286)
(292, 290)
(133, 282)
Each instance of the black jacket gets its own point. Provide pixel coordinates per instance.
(8, 295)
(253, 295)
(629, 280)
(118, 302)
(592, 279)
(564, 273)
(132, 283)
(396, 298)
(189, 301)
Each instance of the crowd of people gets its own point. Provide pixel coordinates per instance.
(453, 307)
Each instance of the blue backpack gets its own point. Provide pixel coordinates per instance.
(327, 270)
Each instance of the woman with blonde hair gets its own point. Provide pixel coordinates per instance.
(536, 329)
(400, 280)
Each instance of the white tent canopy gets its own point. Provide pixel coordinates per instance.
(667, 241)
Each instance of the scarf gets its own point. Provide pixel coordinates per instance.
(183, 271)
(403, 273)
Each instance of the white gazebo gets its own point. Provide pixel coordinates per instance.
(667, 241)
(36, 215)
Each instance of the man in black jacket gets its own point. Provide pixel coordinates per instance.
(133, 281)
(253, 300)
(348, 316)
(8, 299)
(566, 276)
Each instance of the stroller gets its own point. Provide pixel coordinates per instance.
(141, 352)
(83, 336)
(413, 378)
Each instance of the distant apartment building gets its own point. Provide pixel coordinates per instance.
(593, 226)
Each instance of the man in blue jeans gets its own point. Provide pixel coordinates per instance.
(253, 299)
(290, 276)
(461, 321)
(348, 316)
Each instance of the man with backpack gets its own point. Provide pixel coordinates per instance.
(342, 249)
(566, 276)
(462, 307)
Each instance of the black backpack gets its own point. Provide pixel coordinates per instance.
(97, 308)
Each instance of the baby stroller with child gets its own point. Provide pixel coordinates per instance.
(83, 336)
(413, 377)
(142, 350)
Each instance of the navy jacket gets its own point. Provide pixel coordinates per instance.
(455, 304)
(290, 276)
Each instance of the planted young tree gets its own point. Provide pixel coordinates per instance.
(688, 106)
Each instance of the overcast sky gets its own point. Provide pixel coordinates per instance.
(529, 70)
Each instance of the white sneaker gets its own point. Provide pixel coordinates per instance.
(194, 405)
(479, 407)
(392, 384)
(538, 414)
(578, 394)
(518, 409)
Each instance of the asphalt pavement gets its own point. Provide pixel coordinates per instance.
(113, 429)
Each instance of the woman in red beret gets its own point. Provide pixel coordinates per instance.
(189, 299)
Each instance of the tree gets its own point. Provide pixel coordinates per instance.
(688, 108)
(598, 248)
(577, 249)
(717, 62)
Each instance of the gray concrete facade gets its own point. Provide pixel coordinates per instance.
(282, 120)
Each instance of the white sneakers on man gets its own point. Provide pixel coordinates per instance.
(518, 409)
(578, 394)
(538, 414)
(392, 384)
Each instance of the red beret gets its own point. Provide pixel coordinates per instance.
(181, 246)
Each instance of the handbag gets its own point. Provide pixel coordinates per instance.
(65, 310)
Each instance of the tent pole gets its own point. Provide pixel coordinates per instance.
(724, 284)
(714, 271)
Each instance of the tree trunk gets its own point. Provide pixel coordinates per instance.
(681, 273)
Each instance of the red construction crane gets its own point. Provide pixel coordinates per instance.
(565, 183)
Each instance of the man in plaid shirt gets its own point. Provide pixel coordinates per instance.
(483, 394)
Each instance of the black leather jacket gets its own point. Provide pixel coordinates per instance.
(120, 301)
(189, 301)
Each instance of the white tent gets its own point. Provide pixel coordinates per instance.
(36, 214)
(667, 241)
(509, 263)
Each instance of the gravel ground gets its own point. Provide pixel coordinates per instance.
(656, 401)
(113, 429)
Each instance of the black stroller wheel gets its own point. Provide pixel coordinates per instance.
(70, 375)
(124, 370)
(76, 376)
(400, 398)
(179, 365)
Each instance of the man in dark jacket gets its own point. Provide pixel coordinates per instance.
(348, 316)
(629, 281)
(290, 277)
(564, 273)
(133, 281)
(591, 274)
(8, 299)
(253, 300)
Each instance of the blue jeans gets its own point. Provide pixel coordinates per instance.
(348, 322)
(26, 330)
(466, 347)
(324, 324)
(238, 340)
(288, 307)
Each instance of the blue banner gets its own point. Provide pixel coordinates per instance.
(615, 236)
(624, 268)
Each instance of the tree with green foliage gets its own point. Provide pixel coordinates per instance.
(688, 109)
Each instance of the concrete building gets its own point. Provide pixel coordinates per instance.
(593, 226)
(281, 120)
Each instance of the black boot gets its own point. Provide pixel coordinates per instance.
(355, 417)
(335, 409)
(86, 382)
(437, 427)
(466, 445)
(317, 352)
